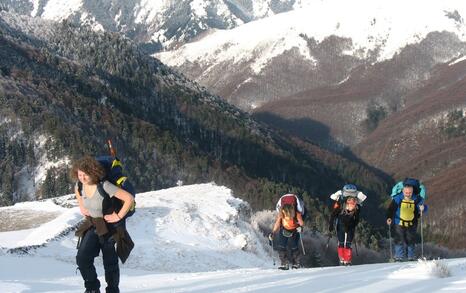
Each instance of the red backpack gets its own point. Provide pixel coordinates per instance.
(293, 200)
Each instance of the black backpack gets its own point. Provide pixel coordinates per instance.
(113, 174)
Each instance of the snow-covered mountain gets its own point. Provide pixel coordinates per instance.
(317, 44)
(161, 23)
(194, 238)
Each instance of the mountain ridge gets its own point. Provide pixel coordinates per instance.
(285, 54)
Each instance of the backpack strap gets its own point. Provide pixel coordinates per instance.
(100, 188)
(80, 188)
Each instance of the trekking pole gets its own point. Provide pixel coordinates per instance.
(390, 241)
(422, 239)
(356, 246)
(302, 245)
(328, 241)
(273, 257)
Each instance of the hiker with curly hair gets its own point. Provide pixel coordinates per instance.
(103, 226)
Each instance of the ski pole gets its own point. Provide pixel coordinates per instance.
(422, 239)
(328, 241)
(356, 246)
(346, 236)
(390, 241)
(302, 245)
(273, 257)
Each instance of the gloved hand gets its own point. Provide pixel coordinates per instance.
(330, 227)
(271, 237)
(299, 229)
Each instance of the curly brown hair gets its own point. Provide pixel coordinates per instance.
(90, 166)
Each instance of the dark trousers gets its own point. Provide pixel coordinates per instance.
(404, 238)
(341, 235)
(90, 247)
(288, 247)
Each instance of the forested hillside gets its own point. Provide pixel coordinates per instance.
(64, 90)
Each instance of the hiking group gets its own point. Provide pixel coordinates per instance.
(406, 207)
(106, 199)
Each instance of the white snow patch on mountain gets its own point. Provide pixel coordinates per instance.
(458, 60)
(35, 5)
(58, 10)
(91, 21)
(199, 7)
(44, 163)
(148, 9)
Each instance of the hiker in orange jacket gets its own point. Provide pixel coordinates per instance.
(288, 227)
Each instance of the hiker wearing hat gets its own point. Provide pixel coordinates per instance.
(403, 212)
(346, 205)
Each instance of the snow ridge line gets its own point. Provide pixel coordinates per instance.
(24, 250)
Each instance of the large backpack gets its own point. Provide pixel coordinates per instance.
(294, 200)
(348, 190)
(418, 187)
(113, 174)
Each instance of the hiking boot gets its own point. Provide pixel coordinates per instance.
(411, 258)
(345, 263)
(397, 259)
(92, 291)
(284, 267)
(295, 266)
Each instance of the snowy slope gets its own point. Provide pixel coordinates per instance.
(175, 253)
(388, 25)
(184, 229)
(48, 275)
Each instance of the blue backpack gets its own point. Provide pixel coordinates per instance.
(418, 187)
(114, 174)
